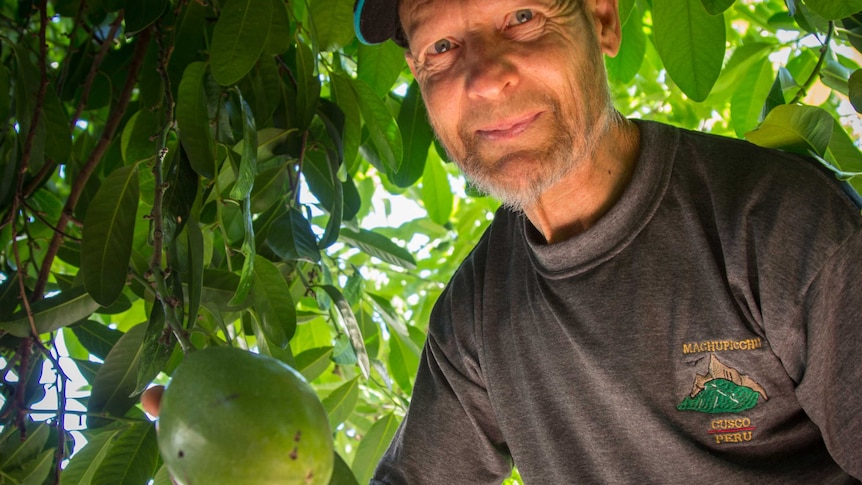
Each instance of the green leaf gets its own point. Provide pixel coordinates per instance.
(273, 302)
(217, 289)
(138, 141)
(96, 337)
(109, 226)
(307, 85)
(313, 362)
(248, 164)
(139, 14)
(195, 273)
(340, 402)
(15, 451)
(333, 22)
(403, 361)
(746, 105)
(385, 135)
(715, 7)
(379, 66)
(436, 192)
(350, 326)
(345, 98)
(780, 91)
(855, 87)
(117, 378)
(417, 135)
(84, 463)
(239, 38)
(292, 238)
(246, 277)
(372, 446)
(53, 313)
(379, 246)
(691, 44)
(157, 348)
(794, 128)
(193, 120)
(834, 9)
(132, 458)
(625, 65)
(842, 153)
(341, 473)
(35, 471)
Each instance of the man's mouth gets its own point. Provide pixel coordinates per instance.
(507, 128)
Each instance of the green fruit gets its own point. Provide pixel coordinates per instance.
(230, 416)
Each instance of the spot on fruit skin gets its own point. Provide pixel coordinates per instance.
(181, 454)
(297, 436)
(294, 453)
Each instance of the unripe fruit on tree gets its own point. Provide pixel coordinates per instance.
(230, 416)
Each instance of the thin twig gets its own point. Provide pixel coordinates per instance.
(824, 51)
(94, 68)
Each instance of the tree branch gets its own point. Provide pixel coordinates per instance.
(95, 157)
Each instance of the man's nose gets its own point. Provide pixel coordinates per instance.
(492, 72)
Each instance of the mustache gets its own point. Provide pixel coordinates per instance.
(478, 116)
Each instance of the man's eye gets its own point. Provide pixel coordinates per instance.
(442, 45)
(522, 16)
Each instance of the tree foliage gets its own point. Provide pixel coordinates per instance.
(179, 174)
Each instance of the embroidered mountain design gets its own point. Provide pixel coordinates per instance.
(722, 389)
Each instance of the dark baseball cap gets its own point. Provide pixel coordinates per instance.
(376, 21)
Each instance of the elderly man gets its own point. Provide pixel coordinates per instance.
(651, 305)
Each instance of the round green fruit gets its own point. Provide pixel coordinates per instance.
(230, 416)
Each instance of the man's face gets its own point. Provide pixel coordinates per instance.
(515, 89)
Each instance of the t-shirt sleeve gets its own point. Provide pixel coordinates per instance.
(449, 434)
(830, 390)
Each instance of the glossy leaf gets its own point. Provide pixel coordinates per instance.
(626, 64)
(97, 338)
(333, 22)
(350, 327)
(139, 14)
(436, 191)
(273, 302)
(52, 313)
(382, 127)
(132, 458)
(117, 378)
(158, 346)
(313, 362)
(239, 38)
(292, 238)
(307, 85)
(691, 43)
(417, 135)
(16, 450)
(246, 278)
(855, 85)
(138, 140)
(372, 446)
(748, 99)
(715, 7)
(379, 246)
(834, 9)
(83, 465)
(340, 402)
(379, 66)
(794, 128)
(193, 120)
(106, 245)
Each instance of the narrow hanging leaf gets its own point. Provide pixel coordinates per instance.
(246, 277)
(345, 98)
(778, 93)
(307, 85)
(834, 9)
(341, 473)
(109, 227)
(273, 302)
(248, 164)
(35, 471)
(436, 191)
(379, 66)
(15, 451)
(379, 246)
(751, 93)
(195, 275)
(372, 446)
(795, 128)
(53, 313)
(239, 38)
(139, 14)
(350, 327)
(403, 361)
(292, 238)
(340, 402)
(193, 121)
(382, 127)
(117, 379)
(842, 153)
(84, 463)
(691, 44)
(132, 458)
(137, 142)
(417, 135)
(157, 348)
(855, 88)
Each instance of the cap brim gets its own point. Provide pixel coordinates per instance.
(375, 21)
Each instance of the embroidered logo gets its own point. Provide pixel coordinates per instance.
(722, 389)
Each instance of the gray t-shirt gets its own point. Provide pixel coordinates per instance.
(707, 328)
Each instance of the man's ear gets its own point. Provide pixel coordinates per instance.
(607, 23)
